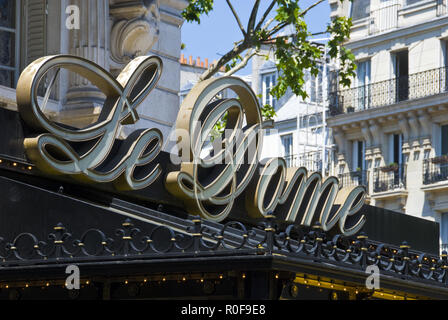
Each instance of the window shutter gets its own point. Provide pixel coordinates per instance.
(35, 26)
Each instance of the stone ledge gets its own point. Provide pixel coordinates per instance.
(397, 193)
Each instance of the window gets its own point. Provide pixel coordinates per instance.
(268, 82)
(395, 148)
(444, 231)
(316, 87)
(9, 56)
(444, 140)
(444, 64)
(360, 9)
(287, 148)
(402, 75)
(411, 2)
(362, 82)
(359, 155)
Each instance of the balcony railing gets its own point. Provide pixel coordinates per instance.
(384, 19)
(389, 178)
(435, 170)
(379, 94)
(312, 161)
(355, 178)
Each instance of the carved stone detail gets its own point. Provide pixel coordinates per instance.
(135, 30)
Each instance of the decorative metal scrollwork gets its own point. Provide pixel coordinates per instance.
(234, 237)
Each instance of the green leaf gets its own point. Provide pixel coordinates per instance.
(196, 8)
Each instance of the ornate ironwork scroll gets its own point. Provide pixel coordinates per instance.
(200, 239)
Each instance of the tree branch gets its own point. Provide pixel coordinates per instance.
(280, 26)
(224, 60)
(243, 63)
(277, 28)
(266, 13)
(304, 12)
(253, 16)
(237, 18)
(268, 23)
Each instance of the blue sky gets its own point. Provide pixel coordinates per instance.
(219, 30)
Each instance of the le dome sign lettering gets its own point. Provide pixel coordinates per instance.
(207, 185)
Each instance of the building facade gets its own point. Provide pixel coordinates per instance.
(109, 33)
(390, 126)
(298, 134)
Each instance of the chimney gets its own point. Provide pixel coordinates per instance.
(182, 58)
(206, 63)
(190, 62)
(198, 62)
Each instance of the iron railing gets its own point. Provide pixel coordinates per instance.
(311, 163)
(389, 178)
(200, 241)
(384, 19)
(379, 94)
(435, 170)
(355, 178)
(311, 160)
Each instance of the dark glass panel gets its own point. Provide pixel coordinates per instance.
(6, 78)
(360, 9)
(7, 13)
(7, 48)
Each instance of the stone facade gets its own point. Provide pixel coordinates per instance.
(111, 33)
(298, 133)
(390, 125)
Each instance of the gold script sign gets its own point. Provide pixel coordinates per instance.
(85, 154)
(208, 186)
(211, 188)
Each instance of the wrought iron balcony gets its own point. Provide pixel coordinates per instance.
(379, 94)
(355, 178)
(384, 19)
(435, 170)
(387, 18)
(389, 178)
(312, 161)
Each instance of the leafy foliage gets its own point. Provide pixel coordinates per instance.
(268, 112)
(196, 8)
(294, 53)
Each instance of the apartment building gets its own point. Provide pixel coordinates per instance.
(298, 133)
(391, 126)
